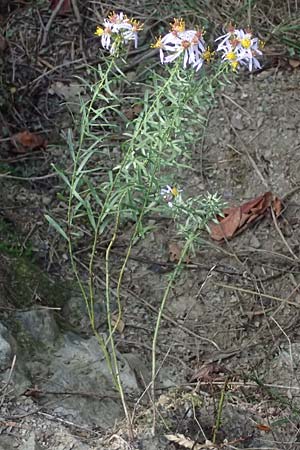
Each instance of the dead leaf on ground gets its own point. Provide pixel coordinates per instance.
(276, 206)
(133, 112)
(34, 392)
(175, 251)
(9, 424)
(209, 373)
(238, 218)
(25, 141)
(294, 63)
(69, 91)
(186, 442)
(262, 427)
(65, 7)
(118, 323)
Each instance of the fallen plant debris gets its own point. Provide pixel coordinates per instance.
(209, 373)
(294, 63)
(236, 219)
(33, 392)
(133, 112)
(3, 43)
(65, 7)
(117, 323)
(25, 141)
(186, 442)
(175, 251)
(263, 427)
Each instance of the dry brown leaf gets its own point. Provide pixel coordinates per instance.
(185, 442)
(9, 424)
(209, 373)
(133, 112)
(294, 63)
(258, 204)
(262, 427)
(227, 226)
(277, 206)
(175, 253)
(236, 219)
(180, 439)
(34, 392)
(118, 323)
(26, 141)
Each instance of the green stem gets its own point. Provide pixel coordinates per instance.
(219, 413)
(159, 319)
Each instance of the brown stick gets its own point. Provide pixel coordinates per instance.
(49, 23)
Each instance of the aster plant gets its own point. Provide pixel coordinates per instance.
(156, 146)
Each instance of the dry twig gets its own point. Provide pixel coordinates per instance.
(49, 23)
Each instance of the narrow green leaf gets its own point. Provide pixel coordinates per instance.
(90, 214)
(57, 227)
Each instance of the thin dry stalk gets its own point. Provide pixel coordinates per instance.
(249, 291)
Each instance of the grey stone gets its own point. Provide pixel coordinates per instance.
(39, 324)
(31, 443)
(63, 440)
(18, 381)
(260, 121)
(285, 369)
(237, 121)
(46, 200)
(5, 347)
(153, 443)
(80, 369)
(254, 242)
(75, 313)
(8, 443)
(140, 367)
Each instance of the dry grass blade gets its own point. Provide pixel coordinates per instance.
(249, 291)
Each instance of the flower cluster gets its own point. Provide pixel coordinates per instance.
(179, 41)
(118, 29)
(171, 195)
(239, 47)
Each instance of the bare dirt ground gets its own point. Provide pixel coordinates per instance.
(231, 322)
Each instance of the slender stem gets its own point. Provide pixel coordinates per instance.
(159, 319)
(116, 372)
(219, 412)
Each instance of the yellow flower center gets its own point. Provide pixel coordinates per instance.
(231, 56)
(178, 25)
(208, 55)
(136, 25)
(99, 31)
(158, 43)
(261, 44)
(246, 43)
(175, 191)
(114, 18)
(234, 65)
